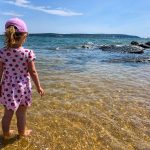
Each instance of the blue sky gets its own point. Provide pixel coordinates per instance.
(80, 16)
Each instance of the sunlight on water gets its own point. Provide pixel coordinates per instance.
(86, 111)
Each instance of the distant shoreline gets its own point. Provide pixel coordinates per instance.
(84, 35)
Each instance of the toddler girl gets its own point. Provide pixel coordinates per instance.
(16, 67)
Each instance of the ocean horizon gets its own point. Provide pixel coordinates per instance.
(85, 34)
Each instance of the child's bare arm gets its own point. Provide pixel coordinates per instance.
(35, 78)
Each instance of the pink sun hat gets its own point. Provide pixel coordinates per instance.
(18, 23)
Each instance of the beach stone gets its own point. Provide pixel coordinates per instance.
(134, 43)
(122, 48)
(86, 46)
(145, 45)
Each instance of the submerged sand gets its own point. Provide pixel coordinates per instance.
(88, 111)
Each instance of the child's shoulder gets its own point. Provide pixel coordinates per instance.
(29, 53)
(27, 50)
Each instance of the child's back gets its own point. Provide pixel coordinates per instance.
(16, 80)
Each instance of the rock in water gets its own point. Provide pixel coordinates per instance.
(134, 43)
(122, 48)
(145, 45)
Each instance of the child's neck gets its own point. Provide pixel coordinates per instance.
(16, 46)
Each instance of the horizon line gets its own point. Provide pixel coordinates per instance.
(86, 34)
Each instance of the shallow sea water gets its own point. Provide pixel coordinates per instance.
(89, 104)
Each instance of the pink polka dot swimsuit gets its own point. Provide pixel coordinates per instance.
(16, 84)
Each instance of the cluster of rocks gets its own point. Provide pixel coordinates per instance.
(143, 45)
(134, 47)
(123, 48)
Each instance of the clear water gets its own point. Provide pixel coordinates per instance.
(94, 100)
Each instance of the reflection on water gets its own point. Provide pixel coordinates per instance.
(104, 108)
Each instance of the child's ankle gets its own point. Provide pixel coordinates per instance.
(7, 135)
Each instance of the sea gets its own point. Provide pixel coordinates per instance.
(94, 99)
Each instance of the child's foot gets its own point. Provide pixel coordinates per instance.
(9, 135)
(26, 133)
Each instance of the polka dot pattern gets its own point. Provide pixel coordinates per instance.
(16, 84)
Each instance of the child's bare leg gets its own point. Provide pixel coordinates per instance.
(21, 121)
(6, 120)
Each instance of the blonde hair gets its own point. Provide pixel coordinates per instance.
(11, 37)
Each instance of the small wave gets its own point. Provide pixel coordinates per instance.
(87, 45)
(62, 48)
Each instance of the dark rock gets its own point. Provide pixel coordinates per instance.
(144, 45)
(122, 49)
(134, 43)
(147, 43)
(86, 46)
(89, 45)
